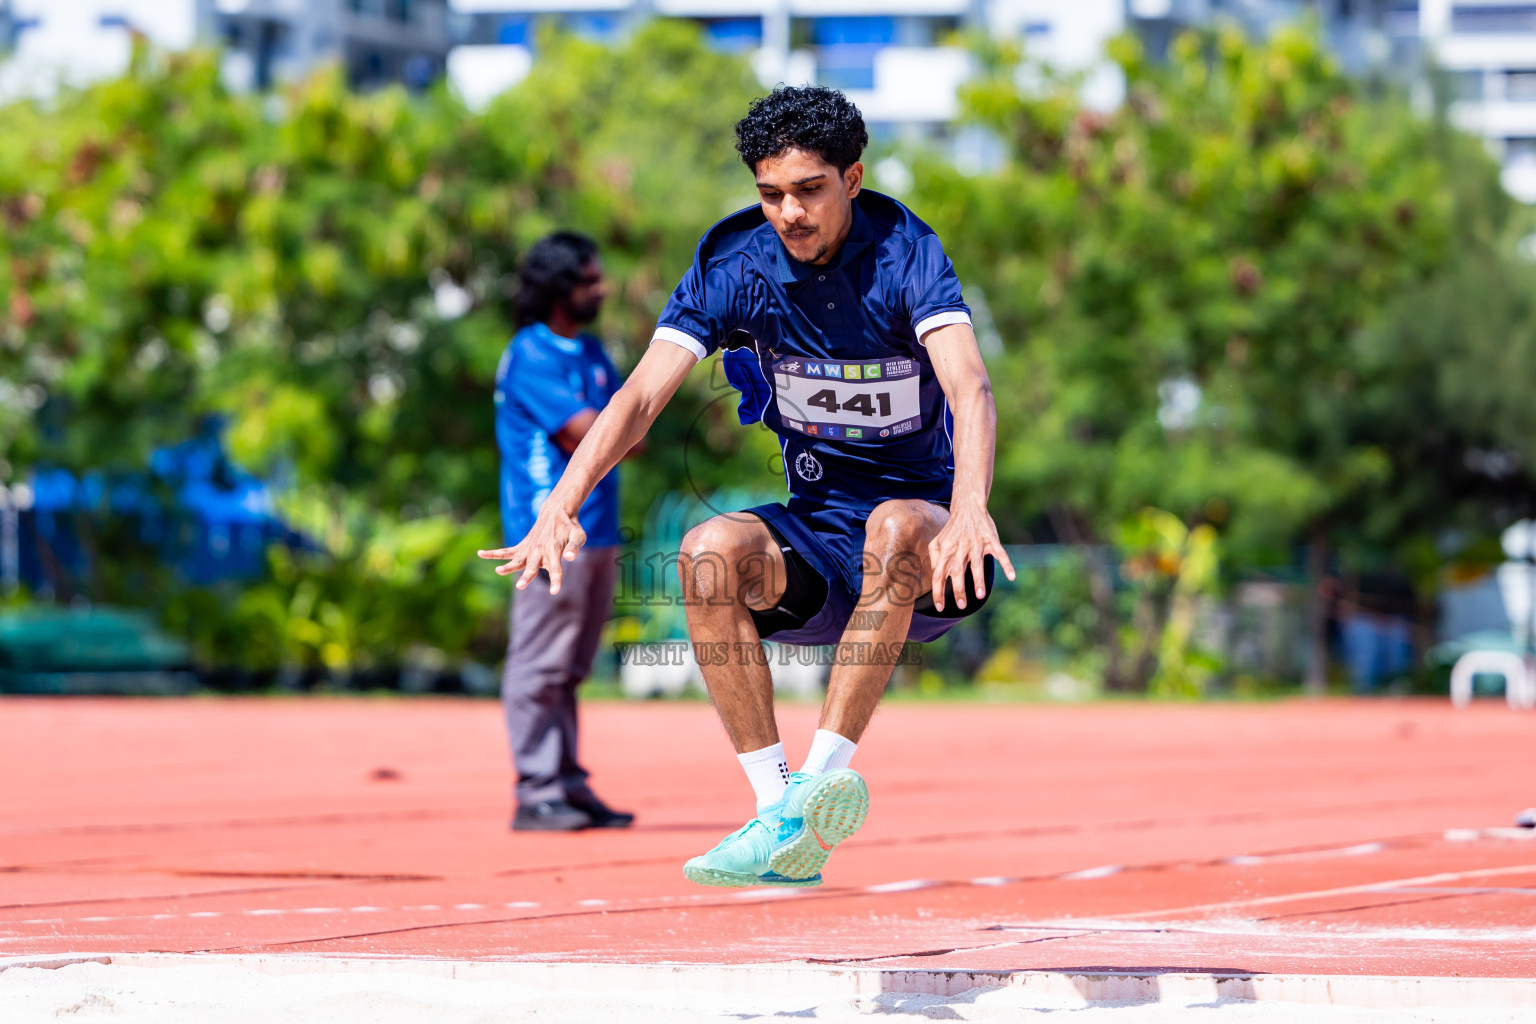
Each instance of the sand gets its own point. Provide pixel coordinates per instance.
(232, 994)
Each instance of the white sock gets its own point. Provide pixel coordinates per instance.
(768, 772)
(828, 751)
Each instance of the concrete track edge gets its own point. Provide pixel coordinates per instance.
(833, 981)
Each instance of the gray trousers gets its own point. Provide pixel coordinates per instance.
(553, 641)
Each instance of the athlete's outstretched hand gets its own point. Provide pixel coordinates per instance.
(556, 536)
(966, 540)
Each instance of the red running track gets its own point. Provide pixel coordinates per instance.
(1301, 837)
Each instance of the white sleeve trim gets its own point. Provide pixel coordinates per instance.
(937, 320)
(680, 338)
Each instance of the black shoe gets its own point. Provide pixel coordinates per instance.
(550, 816)
(601, 814)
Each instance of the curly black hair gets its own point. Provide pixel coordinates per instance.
(812, 117)
(549, 271)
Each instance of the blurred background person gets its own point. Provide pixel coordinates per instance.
(552, 381)
(1377, 613)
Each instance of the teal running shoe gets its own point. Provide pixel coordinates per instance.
(789, 822)
(741, 859)
(736, 860)
(817, 813)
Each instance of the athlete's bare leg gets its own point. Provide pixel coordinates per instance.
(729, 565)
(896, 574)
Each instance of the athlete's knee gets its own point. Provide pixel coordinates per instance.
(714, 539)
(895, 540)
(706, 563)
(896, 528)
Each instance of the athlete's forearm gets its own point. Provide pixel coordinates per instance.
(963, 376)
(622, 424)
(975, 413)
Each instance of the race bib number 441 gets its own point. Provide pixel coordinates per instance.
(874, 400)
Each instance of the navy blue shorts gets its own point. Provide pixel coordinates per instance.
(831, 540)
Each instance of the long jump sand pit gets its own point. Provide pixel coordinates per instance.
(338, 859)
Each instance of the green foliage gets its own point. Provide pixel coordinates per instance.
(1134, 627)
(1258, 296)
(1220, 237)
(1256, 302)
(172, 250)
(1449, 372)
(1049, 616)
(411, 585)
(1170, 567)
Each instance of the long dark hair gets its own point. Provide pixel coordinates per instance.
(549, 271)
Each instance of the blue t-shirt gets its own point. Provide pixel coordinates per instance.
(543, 381)
(830, 358)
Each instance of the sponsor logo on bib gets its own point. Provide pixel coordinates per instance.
(862, 402)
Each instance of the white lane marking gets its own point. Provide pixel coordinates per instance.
(767, 894)
(1347, 890)
(909, 885)
(1362, 849)
(1104, 871)
(1465, 890)
(280, 911)
(1248, 926)
(1468, 835)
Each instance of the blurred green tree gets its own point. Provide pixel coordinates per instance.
(1257, 296)
(1448, 374)
(330, 272)
(1184, 282)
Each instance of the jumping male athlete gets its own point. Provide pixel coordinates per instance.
(844, 330)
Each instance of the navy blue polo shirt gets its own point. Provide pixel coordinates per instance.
(543, 381)
(831, 358)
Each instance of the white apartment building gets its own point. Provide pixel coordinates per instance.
(899, 60)
(45, 43)
(1489, 48)
(377, 41)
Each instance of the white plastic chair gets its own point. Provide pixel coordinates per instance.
(1519, 677)
(1517, 578)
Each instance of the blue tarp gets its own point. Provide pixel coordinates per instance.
(209, 519)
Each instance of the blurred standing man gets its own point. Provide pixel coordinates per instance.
(552, 382)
